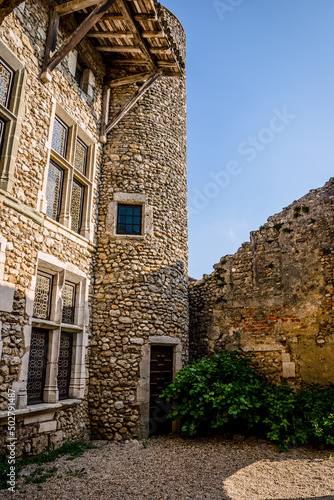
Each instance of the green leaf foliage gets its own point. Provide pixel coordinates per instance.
(226, 393)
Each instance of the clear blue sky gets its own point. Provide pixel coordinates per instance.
(260, 80)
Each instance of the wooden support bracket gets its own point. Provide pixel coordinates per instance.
(105, 113)
(126, 108)
(128, 80)
(51, 58)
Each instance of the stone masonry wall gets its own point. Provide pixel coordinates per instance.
(24, 230)
(275, 296)
(140, 281)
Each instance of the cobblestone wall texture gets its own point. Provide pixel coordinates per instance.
(275, 296)
(140, 282)
(23, 226)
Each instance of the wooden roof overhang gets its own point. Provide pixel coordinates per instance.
(131, 35)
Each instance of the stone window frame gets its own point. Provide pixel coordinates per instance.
(87, 83)
(13, 116)
(143, 389)
(130, 199)
(71, 174)
(61, 272)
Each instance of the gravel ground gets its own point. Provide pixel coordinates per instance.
(170, 468)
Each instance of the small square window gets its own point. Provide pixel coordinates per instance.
(43, 292)
(79, 74)
(129, 219)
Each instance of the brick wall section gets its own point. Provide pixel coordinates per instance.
(274, 297)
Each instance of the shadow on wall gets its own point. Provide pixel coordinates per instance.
(6, 7)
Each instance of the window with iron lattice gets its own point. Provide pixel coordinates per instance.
(68, 165)
(37, 365)
(6, 83)
(12, 82)
(64, 364)
(43, 295)
(68, 296)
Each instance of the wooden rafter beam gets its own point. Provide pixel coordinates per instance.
(160, 50)
(152, 34)
(136, 17)
(110, 34)
(128, 80)
(73, 6)
(123, 34)
(130, 62)
(51, 60)
(124, 8)
(126, 108)
(121, 49)
(167, 64)
(145, 17)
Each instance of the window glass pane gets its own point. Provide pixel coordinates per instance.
(37, 365)
(129, 219)
(78, 74)
(2, 131)
(76, 206)
(80, 156)
(42, 298)
(54, 191)
(64, 365)
(59, 137)
(6, 78)
(68, 297)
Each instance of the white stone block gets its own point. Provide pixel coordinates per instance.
(41, 417)
(72, 62)
(289, 370)
(48, 426)
(6, 296)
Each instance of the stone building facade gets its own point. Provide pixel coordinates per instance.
(93, 226)
(275, 296)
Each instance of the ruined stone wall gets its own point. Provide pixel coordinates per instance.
(274, 297)
(25, 231)
(140, 281)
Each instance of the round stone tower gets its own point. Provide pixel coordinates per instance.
(140, 306)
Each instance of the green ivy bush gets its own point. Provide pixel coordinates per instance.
(225, 393)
